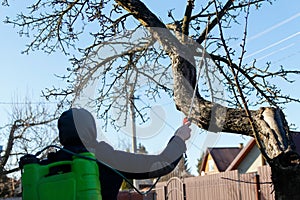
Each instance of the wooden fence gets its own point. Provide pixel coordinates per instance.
(222, 186)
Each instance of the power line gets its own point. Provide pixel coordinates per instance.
(25, 103)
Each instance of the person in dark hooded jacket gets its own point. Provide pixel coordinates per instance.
(77, 133)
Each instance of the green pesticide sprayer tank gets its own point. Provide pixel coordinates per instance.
(78, 181)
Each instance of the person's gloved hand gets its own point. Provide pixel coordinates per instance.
(184, 132)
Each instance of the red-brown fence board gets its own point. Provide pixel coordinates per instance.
(222, 186)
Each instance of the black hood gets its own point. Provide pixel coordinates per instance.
(77, 127)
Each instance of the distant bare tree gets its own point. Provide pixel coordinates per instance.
(29, 129)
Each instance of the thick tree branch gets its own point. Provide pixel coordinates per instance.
(187, 17)
(141, 13)
(214, 22)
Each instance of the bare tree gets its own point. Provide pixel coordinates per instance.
(31, 128)
(60, 24)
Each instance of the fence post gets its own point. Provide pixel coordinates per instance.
(184, 191)
(257, 184)
(166, 192)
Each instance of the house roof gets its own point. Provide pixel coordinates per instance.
(222, 156)
(296, 138)
(242, 154)
(240, 157)
(229, 158)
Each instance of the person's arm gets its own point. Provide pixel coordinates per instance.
(140, 166)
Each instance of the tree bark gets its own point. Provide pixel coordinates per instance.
(269, 128)
(286, 182)
(269, 122)
(268, 125)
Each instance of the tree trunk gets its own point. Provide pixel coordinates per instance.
(269, 128)
(286, 182)
(268, 124)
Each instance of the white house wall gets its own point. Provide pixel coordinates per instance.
(251, 161)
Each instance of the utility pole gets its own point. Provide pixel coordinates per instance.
(132, 111)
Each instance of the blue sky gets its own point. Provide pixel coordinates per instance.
(274, 34)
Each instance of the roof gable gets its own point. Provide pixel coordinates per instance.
(222, 156)
(251, 144)
(242, 154)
